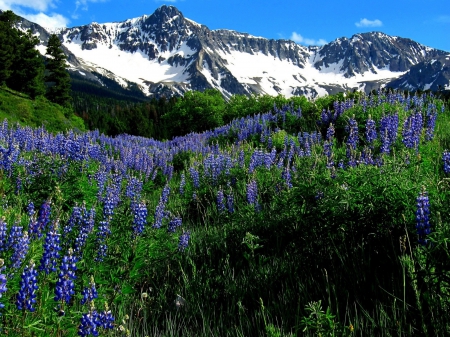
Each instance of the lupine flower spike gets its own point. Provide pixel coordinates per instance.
(89, 322)
(28, 286)
(89, 293)
(3, 280)
(423, 217)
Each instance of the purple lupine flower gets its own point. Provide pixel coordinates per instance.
(88, 323)
(3, 280)
(102, 233)
(327, 149)
(139, 218)
(230, 199)
(330, 133)
(252, 193)
(65, 285)
(352, 140)
(174, 224)
(430, 125)
(286, 176)
(195, 177)
(182, 184)
(366, 157)
(423, 217)
(18, 185)
(446, 161)
(105, 318)
(184, 240)
(74, 220)
(412, 128)
(86, 227)
(220, 201)
(371, 132)
(319, 195)
(241, 159)
(89, 293)
(269, 158)
(33, 228)
(20, 250)
(30, 209)
(269, 143)
(43, 217)
(134, 188)
(160, 212)
(388, 132)
(3, 235)
(15, 236)
(108, 207)
(51, 250)
(28, 286)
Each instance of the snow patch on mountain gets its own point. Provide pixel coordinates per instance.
(136, 66)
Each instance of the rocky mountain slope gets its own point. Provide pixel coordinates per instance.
(166, 53)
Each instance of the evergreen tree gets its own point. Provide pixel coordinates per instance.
(28, 67)
(8, 39)
(57, 79)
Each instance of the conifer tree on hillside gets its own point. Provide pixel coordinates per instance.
(8, 38)
(21, 65)
(58, 78)
(28, 67)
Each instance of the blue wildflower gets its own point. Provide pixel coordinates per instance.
(28, 286)
(51, 250)
(220, 201)
(174, 224)
(3, 281)
(423, 217)
(184, 240)
(65, 285)
(89, 293)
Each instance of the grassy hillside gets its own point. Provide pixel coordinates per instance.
(19, 108)
(267, 226)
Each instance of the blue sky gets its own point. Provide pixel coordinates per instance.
(306, 22)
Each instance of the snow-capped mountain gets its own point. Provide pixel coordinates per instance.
(432, 74)
(166, 53)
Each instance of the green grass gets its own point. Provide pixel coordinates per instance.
(331, 256)
(19, 108)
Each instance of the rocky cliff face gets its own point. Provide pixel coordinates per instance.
(431, 74)
(170, 54)
(371, 51)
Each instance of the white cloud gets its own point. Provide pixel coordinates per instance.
(300, 39)
(38, 5)
(83, 5)
(23, 8)
(52, 21)
(369, 23)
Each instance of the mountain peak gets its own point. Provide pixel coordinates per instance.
(167, 54)
(167, 12)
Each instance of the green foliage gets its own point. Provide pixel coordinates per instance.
(196, 112)
(19, 108)
(57, 77)
(348, 240)
(318, 321)
(21, 68)
(8, 38)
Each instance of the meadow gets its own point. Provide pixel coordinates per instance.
(276, 224)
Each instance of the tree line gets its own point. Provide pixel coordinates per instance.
(165, 118)
(22, 68)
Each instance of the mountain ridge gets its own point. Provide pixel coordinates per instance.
(167, 54)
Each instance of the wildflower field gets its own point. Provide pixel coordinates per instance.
(277, 224)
